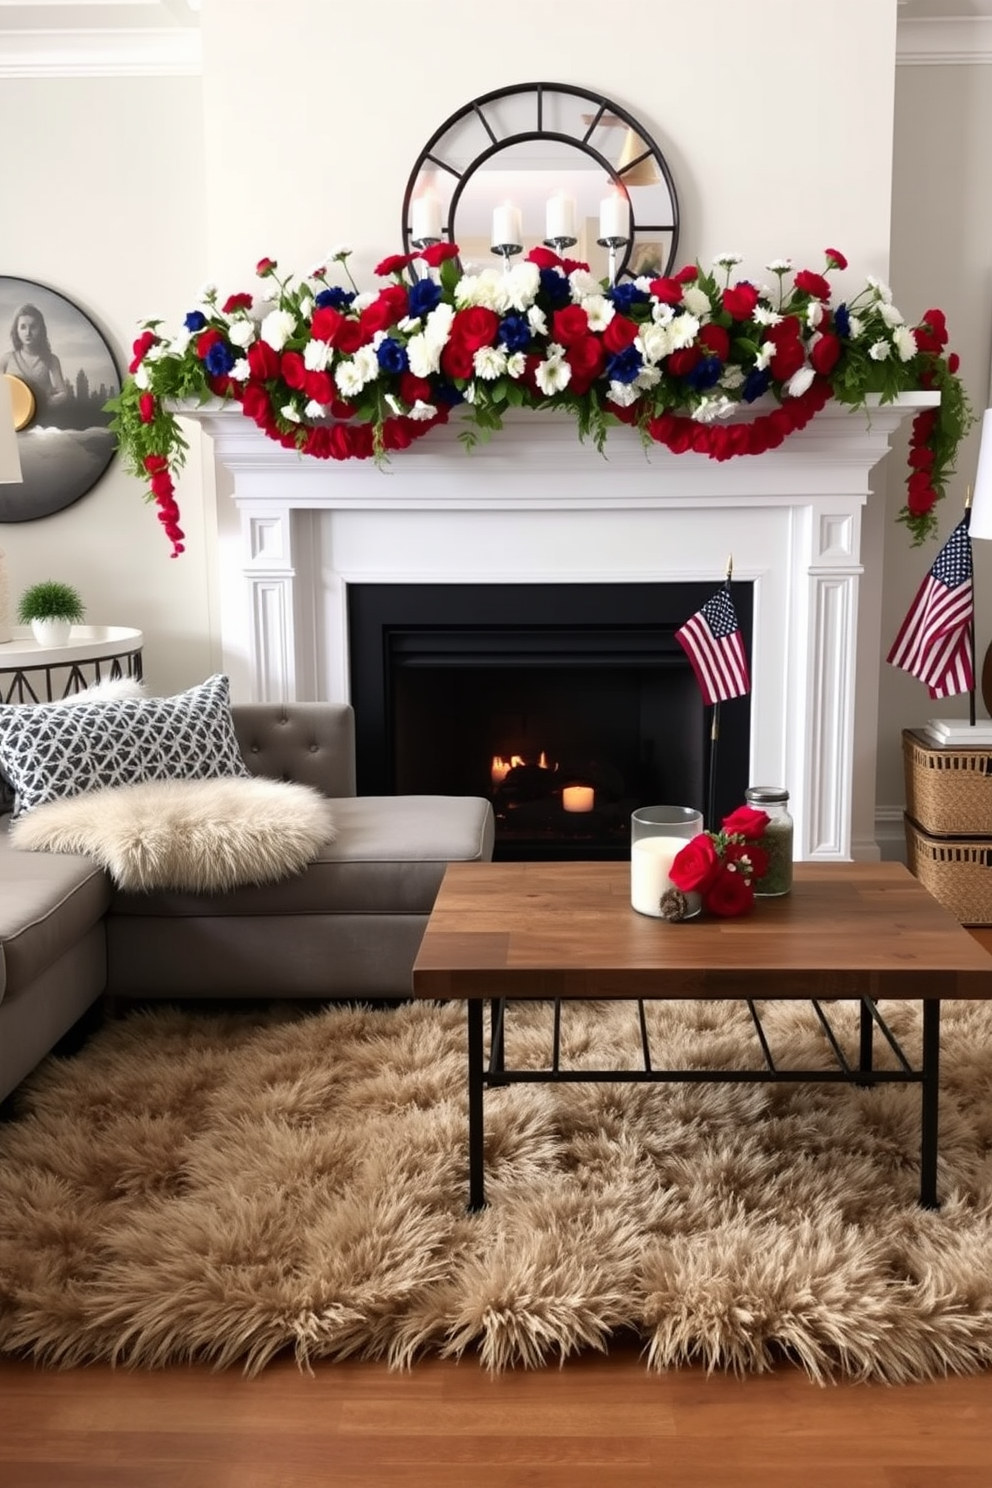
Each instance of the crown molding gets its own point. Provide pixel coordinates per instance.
(107, 52)
(931, 41)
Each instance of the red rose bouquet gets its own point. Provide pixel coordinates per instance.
(722, 866)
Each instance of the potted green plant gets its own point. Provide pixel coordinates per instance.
(51, 609)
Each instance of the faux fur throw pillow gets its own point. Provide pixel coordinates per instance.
(202, 836)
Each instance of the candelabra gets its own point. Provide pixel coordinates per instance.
(612, 244)
(506, 251)
(560, 244)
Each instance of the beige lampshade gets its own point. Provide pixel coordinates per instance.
(981, 502)
(645, 172)
(10, 460)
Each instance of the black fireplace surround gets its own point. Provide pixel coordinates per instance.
(518, 692)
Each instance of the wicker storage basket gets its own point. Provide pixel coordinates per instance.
(957, 873)
(948, 791)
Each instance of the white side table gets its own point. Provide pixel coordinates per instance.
(30, 673)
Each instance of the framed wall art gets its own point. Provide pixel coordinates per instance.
(61, 372)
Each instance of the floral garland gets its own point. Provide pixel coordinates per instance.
(722, 867)
(338, 374)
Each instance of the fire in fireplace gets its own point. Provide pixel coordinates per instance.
(567, 705)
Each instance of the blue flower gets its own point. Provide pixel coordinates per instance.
(842, 320)
(446, 392)
(627, 294)
(514, 333)
(556, 288)
(705, 374)
(424, 295)
(195, 320)
(336, 297)
(757, 381)
(392, 356)
(625, 365)
(219, 359)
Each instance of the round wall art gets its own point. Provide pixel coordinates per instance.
(60, 372)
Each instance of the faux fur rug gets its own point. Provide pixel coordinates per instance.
(226, 1187)
(200, 836)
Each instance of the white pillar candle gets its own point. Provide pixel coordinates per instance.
(578, 797)
(425, 216)
(651, 859)
(507, 225)
(560, 219)
(614, 216)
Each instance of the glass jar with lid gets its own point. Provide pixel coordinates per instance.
(777, 841)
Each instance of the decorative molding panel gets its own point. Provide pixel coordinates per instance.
(963, 41)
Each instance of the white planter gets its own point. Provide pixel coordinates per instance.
(51, 632)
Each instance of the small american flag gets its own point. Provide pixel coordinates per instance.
(934, 642)
(713, 642)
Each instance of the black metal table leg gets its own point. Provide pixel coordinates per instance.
(476, 1134)
(865, 1050)
(928, 1122)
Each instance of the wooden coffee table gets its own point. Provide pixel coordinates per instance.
(501, 932)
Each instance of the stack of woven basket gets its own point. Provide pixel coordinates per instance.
(949, 824)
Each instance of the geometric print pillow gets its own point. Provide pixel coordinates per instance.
(49, 752)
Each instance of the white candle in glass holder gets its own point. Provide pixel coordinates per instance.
(507, 225)
(425, 216)
(560, 219)
(651, 859)
(578, 797)
(614, 216)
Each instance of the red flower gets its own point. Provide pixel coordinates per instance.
(544, 258)
(569, 325)
(154, 463)
(389, 306)
(412, 388)
(293, 369)
(825, 353)
(681, 362)
(953, 362)
(813, 284)
(319, 386)
(667, 291)
(265, 267)
(394, 264)
(350, 336)
(729, 895)
(236, 302)
(435, 255)
(205, 340)
(751, 859)
(146, 407)
(586, 358)
(263, 361)
(688, 275)
(255, 402)
(739, 300)
(475, 327)
(457, 360)
(716, 340)
(144, 343)
(931, 335)
(325, 324)
(746, 821)
(836, 258)
(696, 865)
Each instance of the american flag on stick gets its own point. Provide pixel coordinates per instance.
(934, 642)
(713, 642)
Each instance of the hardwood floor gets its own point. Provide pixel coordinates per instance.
(596, 1421)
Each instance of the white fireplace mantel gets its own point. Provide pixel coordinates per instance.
(536, 505)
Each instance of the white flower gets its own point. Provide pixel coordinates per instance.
(582, 283)
(485, 289)
(314, 410)
(890, 314)
(905, 343)
(799, 382)
(318, 270)
(422, 411)
(394, 403)
(648, 377)
(317, 355)
(342, 251)
(643, 282)
(409, 323)
(599, 310)
(207, 293)
(349, 379)
(732, 377)
(363, 301)
(882, 290)
(761, 315)
(779, 265)
(764, 356)
(683, 330)
(367, 364)
(469, 392)
(708, 410)
(276, 328)
(879, 350)
(521, 285)
(241, 331)
(423, 354)
(623, 394)
(662, 314)
(856, 326)
(289, 412)
(555, 373)
(177, 347)
(727, 260)
(695, 300)
(814, 313)
(142, 377)
(516, 365)
(241, 371)
(536, 321)
(437, 326)
(489, 362)
(653, 342)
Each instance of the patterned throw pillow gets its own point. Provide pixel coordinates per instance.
(50, 752)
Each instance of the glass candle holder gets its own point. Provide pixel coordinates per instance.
(657, 833)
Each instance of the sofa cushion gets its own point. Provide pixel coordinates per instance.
(47, 905)
(389, 856)
(51, 751)
(205, 836)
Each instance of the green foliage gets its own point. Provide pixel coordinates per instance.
(50, 600)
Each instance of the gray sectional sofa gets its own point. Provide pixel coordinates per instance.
(348, 926)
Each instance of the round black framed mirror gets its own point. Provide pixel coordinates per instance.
(553, 163)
